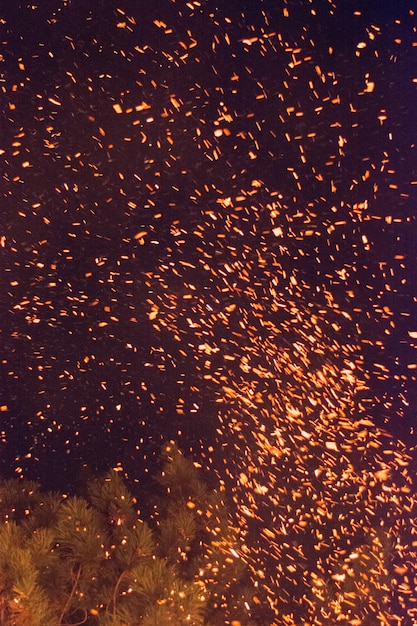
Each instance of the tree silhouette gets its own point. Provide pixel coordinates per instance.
(93, 560)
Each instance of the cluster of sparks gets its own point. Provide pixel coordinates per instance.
(208, 237)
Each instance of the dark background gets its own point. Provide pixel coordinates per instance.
(91, 373)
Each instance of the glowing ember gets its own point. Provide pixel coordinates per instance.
(209, 236)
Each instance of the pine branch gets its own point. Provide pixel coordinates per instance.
(92, 550)
(83, 621)
(71, 595)
(116, 591)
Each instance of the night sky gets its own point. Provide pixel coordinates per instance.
(209, 235)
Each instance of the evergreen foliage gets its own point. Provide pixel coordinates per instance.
(93, 560)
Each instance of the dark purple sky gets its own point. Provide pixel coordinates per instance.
(224, 135)
(209, 234)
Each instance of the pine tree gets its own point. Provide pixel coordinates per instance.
(93, 560)
(23, 601)
(196, 532)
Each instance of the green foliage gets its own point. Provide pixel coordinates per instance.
(92, 560)
(110, 496)
(18, 499)
(196, 534)
(137, 543)
(79, 532)
(22, 599)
